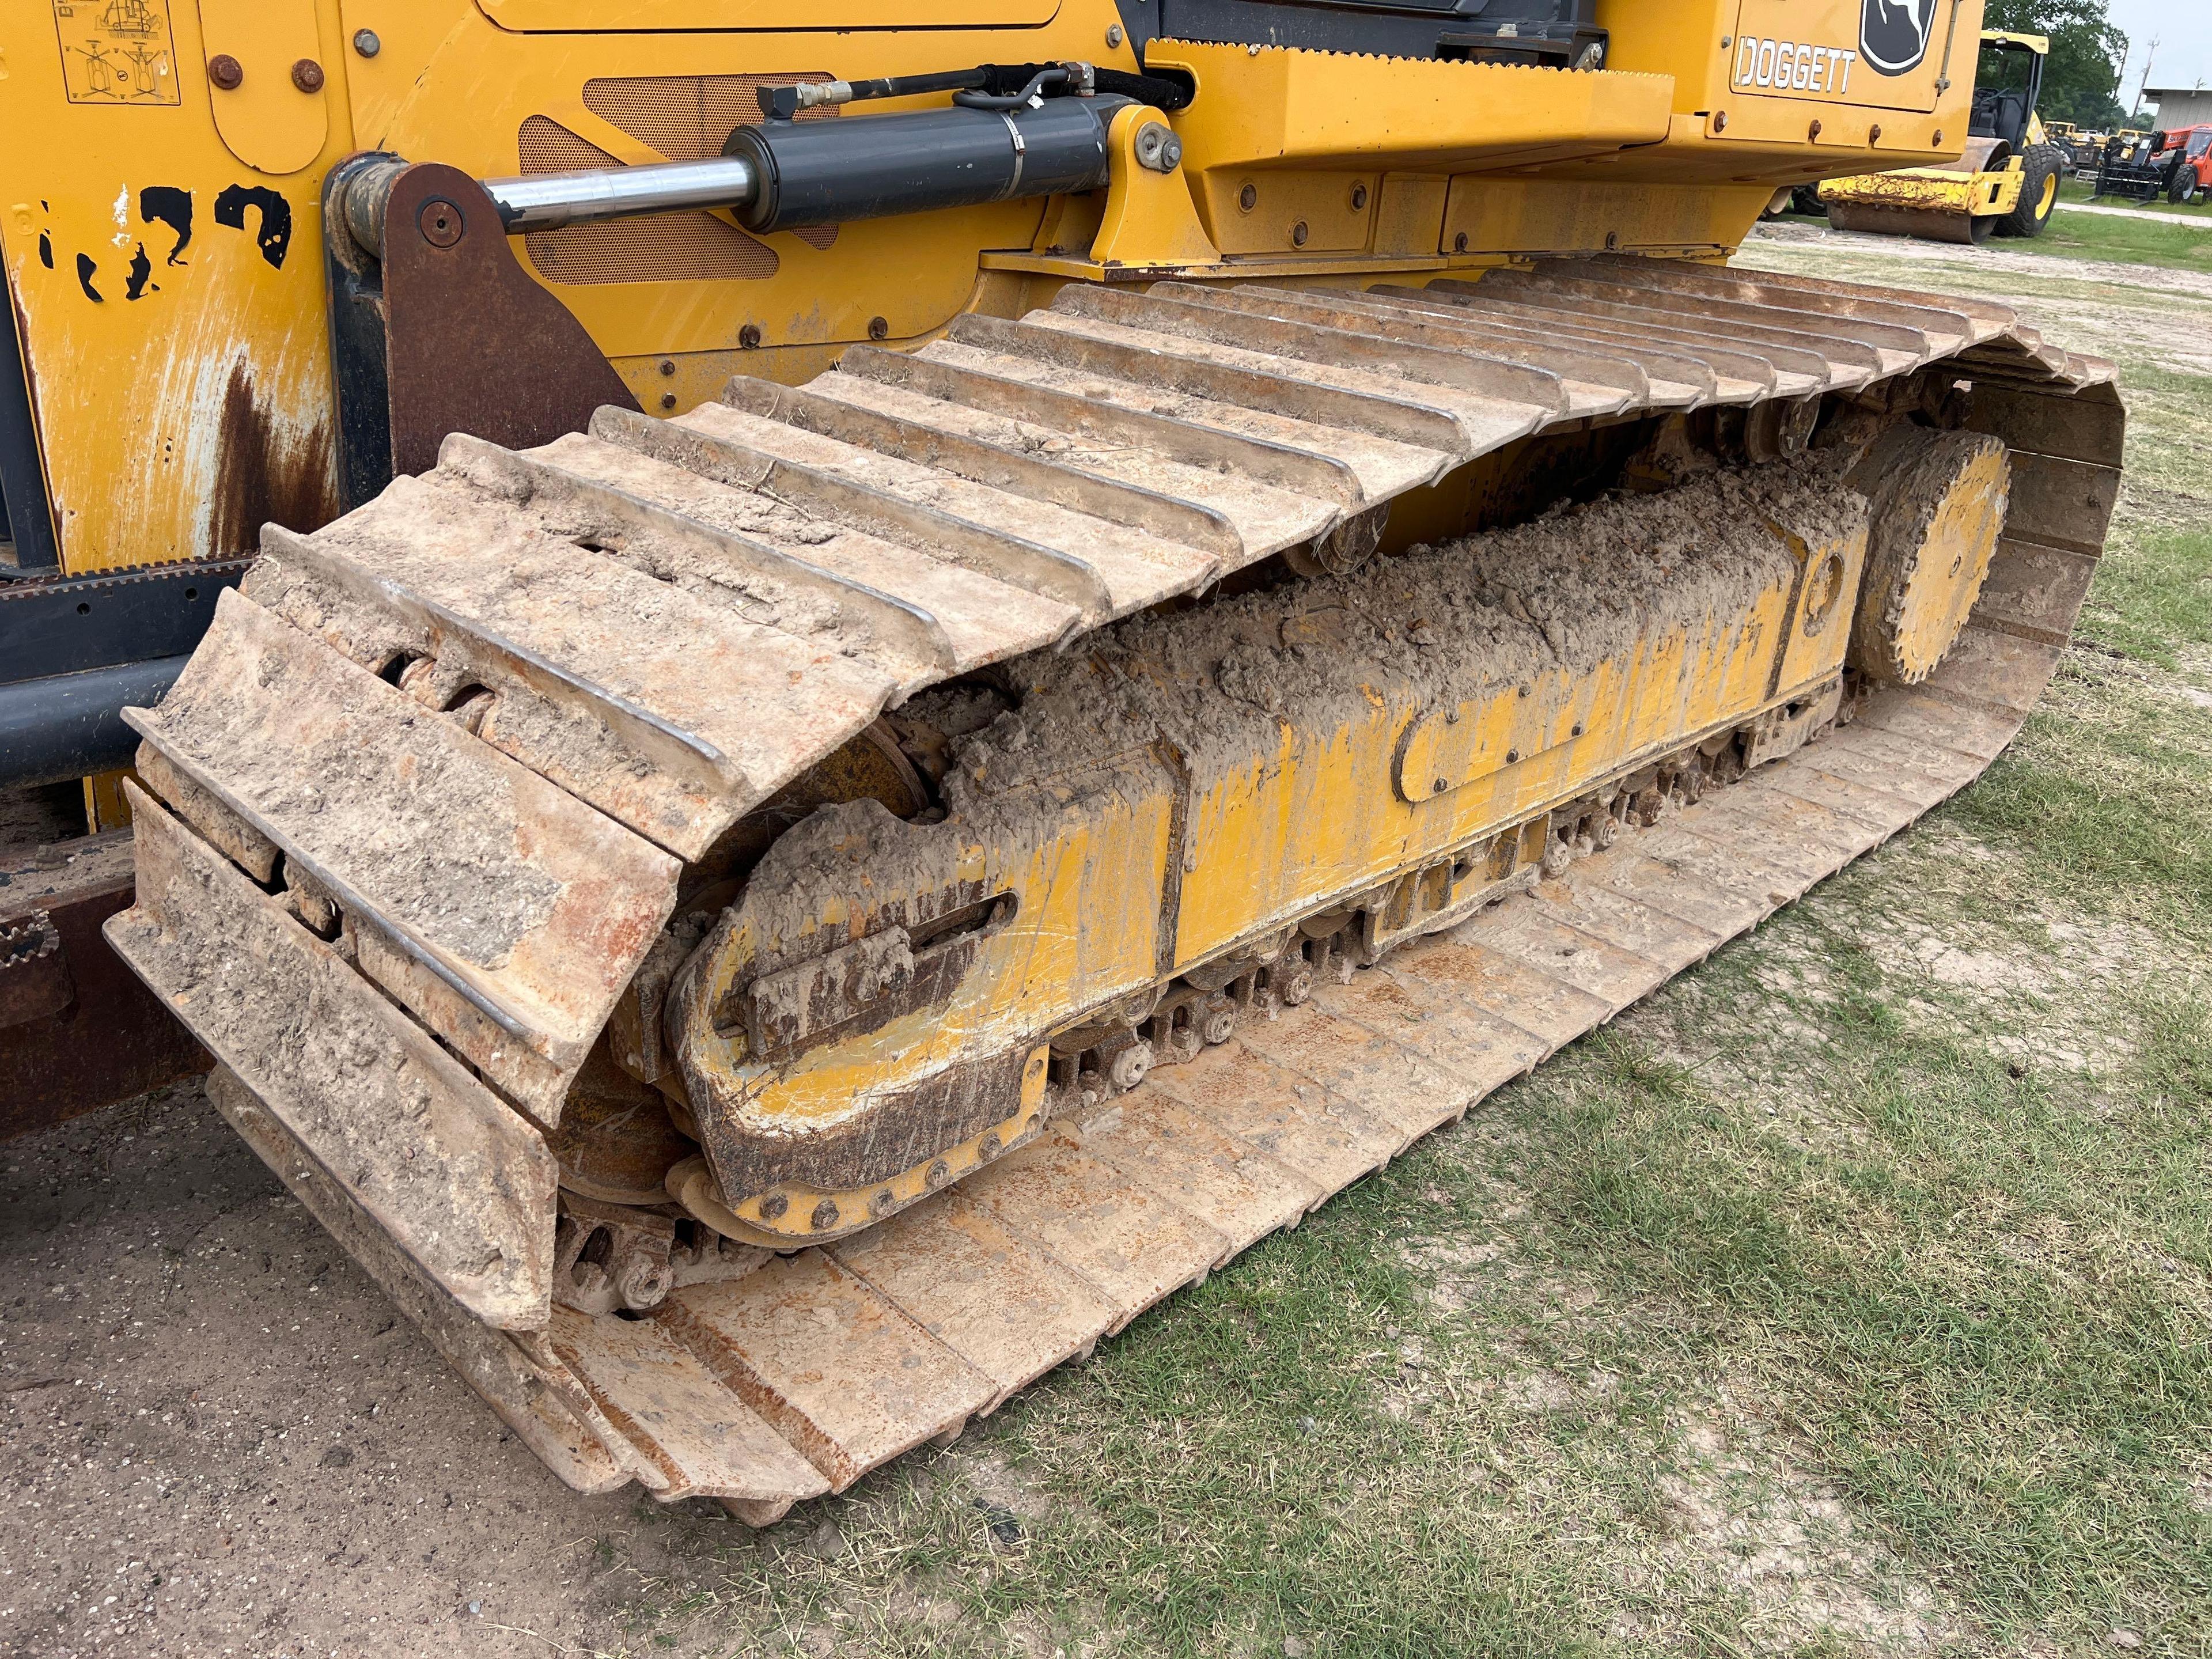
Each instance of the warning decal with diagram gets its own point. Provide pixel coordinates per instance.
(116, 52)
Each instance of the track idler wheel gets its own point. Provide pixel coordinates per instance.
(1938, 503)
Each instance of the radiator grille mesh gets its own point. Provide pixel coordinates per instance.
(687, 117)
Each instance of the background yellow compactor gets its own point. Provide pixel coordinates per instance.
(2005, 183)
(876, 685)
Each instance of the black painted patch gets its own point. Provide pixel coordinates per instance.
(46, 249)
(167, 205)
(141, 269)
(275, 235)
(86, 270)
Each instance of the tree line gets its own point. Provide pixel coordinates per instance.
(2081, 78)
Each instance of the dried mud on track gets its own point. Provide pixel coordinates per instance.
(1442, 1417)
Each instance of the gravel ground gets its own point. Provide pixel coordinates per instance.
(218, 1438)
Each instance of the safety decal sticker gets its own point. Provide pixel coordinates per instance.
(116, 52)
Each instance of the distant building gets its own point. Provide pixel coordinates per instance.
(2181, 107)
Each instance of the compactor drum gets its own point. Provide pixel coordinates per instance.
(945, 697)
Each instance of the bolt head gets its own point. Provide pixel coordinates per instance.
(772, 1206)
(1248, 198)
(1157, 149)
(366, 43)
(1299, 234)
(307, 74)
(879, 328)
(825, 1214)
(1358, 197)
(440, 221)
(225, 72)
(643, 1283)
(750, 336)
(1114, 36)
(668, 400)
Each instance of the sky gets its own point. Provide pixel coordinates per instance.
(2182, 29)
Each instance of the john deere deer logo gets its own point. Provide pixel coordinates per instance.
(1894, 33)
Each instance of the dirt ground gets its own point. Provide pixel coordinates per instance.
(216, 1436)
(220, 1439)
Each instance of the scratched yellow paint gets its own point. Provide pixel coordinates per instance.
(1319, 817)
(1087, 886)
(175, 422)
(181, 385)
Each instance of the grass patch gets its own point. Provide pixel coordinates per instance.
(2111, 811)
(2077, 190)
(2114, 237)
(2127, 240)
(2154, 592)
(2020, 1413)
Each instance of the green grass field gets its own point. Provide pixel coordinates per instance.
(2114, 237)
(1848, 1297)
(2077, 190)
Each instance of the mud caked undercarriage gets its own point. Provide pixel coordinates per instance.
(766, 931)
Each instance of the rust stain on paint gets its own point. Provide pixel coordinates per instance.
(265, 474)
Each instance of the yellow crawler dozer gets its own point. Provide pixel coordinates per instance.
(909, 677)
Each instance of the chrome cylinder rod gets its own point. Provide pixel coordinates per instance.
(549, 201)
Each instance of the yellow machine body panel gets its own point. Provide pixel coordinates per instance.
(195, 368)
(167, 277)
(1965, 194)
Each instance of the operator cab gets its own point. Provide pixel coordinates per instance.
(2006, 80)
